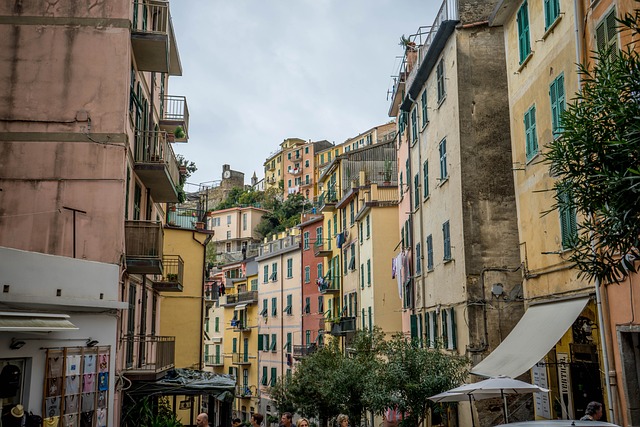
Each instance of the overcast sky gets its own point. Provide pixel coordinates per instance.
(258, 71)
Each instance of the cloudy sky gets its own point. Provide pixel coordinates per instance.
(258, 71)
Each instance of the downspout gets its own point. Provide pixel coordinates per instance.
(202, 305)
(281, 312)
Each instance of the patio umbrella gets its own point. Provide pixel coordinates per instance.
(449, 396)
(497, 386)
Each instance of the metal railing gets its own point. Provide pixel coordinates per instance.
(213, 360)
(185, 217)
(244, 390)
(154, 147)
(173, 269)
(304, 350)
(240, 359)
(150, 18)
(240, 297)
(175, 109)
(150, 353)
(143, 239)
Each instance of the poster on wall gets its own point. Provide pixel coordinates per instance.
(76, 387)
(539, 372)
(564, 385)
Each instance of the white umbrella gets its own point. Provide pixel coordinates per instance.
(494, 387)
(449, 396)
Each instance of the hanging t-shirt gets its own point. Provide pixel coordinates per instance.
(103, 381)
(55, 366)
(89, 363)
(51, 422)
(88, 402)
(52, 406)
(71, 403)
(86, 419)
(102, 399)
(54, 387)
(102, 417)
(73, 364)
(72, 385)
(70, 420)
(89, 383)
(103, 362)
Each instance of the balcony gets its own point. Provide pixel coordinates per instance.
(348, 324)
(213, 360)
(295, 171)
(328, 200)
(326, 285)
(320, 250)
(241, 325)
(173, 274)
(245, 391)
(240, 359)
(143, 245)
(156, 165)
(211, 295)
(152, 38)
(300, 351)
(147, 356)
(191, 219)
(175, 113)
(249, 297)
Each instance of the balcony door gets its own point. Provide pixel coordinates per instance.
(131, 325)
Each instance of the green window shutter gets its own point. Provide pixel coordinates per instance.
(217, 324)
(264, 375)
(416, 188)
(274, 376)
(235, 345)
(370, 320)
(568, 220)
(522, 18)
(266, 343)
(266, 274)
(425, 171)
(368, 272)
(414, 328)
(260, 342)
(530, 133)
(418, 258)
(362, 277)
(452, 320)
(274, 306)
(427, 329)
(445, 333)
(363, 321)
(288, 342)
(423, 101)
(414, 125)
(274, 342)
(419, 330)
(217, 354)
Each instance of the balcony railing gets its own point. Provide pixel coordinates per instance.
(175, 113)
(300, 351)
(149, 355)
(348, 324)
(241, 325)
(328, 285)
(249, 297)
(186, 218)
(156, 165)
(152, 37)
(240, 359)
(173, 274)
(245, 391)
(211, 294)
(143, 246)
(213, 360)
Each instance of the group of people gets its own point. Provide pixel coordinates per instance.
(202, 420)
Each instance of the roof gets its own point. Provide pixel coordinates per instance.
(185, 382)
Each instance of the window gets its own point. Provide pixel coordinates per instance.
(449, 328)
(556, 94)
(306, 150)
(524, 45)
(320, 304)
(352, 260)
(274, 271)
(307, 305)
(234, 345)
(360, 228)
(228, 219)
(416, 188)
(335, 224)
(607, 34)
(273, 343)
(307, 274)
(368, 272)
(425, 179)
(289, 183)
(440, 80)
(289, 268)
(307, 337)
(265, 277)
(568, 220)
(444, 173)
(265, 342)
(320, 270)
(265, 311)
(274, 376)
(289, 156)
(531, 139)
(423, 103)
(352, 207)
(216, 327)
(446, 236)
(307, 180)
(274, 306)
(228, 235)
(418, 258)
(401, 185)
(319, 236)
(263, 380)
(429, 252)
(287, 346)
(289, 308)
(432, 330)
(305, 240)
(368, 221)
(254, 284)
(244, 221)
(361, 276)
(414, 125)
(551, 12)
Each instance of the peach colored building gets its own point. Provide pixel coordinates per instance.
(235, 235)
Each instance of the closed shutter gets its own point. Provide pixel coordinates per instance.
(414, 328)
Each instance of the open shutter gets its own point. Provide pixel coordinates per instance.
(452, 321)
(260, 342)
(445, 332)
(427, 329)
(414, 327)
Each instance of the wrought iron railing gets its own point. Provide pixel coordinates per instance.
(153, 147)
(143, 239)
(150, 17)
(149, 352)
(185, 217)
(240, 297)
(175, 109)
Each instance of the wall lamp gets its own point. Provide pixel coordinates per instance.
(16, 344)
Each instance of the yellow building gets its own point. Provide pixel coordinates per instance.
(541, 54)
(273, 170)
(240, 329)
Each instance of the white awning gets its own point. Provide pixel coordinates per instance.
(536, 333)
(239, 307)
(34, 322)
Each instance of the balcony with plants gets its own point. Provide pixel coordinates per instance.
(173, 274)
(156, 165)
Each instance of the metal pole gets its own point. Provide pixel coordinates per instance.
(473, 421)
(504, 406)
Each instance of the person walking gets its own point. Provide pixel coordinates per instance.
(256, 419)
(593, 412)
(202, 420)
(342, 420)
(302, 422)
(286, 419)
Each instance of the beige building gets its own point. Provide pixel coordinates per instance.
(273, 170)
(299, 166)
(280, 310)
(235, 236)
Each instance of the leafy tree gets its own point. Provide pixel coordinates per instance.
(410, 375)
(189, 168)
(281, 395)
(283, 214)
(596, 161)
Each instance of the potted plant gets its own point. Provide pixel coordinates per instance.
(172, 277)
(179, 133)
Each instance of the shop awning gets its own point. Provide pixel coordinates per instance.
(536, 333)
(19, 321)
(239, 307)
(185, 382)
